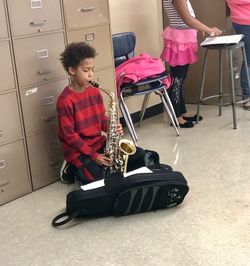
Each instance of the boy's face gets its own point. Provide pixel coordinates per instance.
(84, 72)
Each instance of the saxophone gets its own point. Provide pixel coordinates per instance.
(116, 148)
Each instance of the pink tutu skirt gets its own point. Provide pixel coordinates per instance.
(180, 46)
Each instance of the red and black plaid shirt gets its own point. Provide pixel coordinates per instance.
(82, 118)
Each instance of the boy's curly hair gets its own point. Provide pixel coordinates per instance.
(75, 52)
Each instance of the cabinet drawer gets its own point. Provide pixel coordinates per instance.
(7, 80)
(98, 37)
(105, 78)
(3, 25)
(37, 58)
(39, 105)
(10, 125)
(34, 16)
(14, 178)
(85, 13)
(45, 157)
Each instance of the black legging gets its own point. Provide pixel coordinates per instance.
(97, 172)
(176, 91)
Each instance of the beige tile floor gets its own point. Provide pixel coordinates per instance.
(211, 227)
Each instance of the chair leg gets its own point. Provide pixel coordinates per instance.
(168, 101)
(230, 53)
(128, 117)
(144, 106)
(128, 120)
(130, 129)
(220, 81)
(204, 70)
(167, 109)
(246, 66)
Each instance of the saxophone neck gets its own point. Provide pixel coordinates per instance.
(108, 92)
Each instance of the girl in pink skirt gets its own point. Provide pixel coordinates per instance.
(180, 50)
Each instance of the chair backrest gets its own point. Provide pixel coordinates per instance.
(124, 46)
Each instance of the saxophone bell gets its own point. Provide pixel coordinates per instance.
(126, 148)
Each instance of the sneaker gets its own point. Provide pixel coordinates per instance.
(67, 174)
(246, 106)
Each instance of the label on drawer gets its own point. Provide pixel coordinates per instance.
(89, 37)
(44, 53)
(36, 4)
(31, 91)
(48, 100)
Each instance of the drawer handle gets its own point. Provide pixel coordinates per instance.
(1, 133)
(55, 145)
(56, 164)
(86, 9)
(3, 185)
(43, 72)
(50, 118)
(2, 164)
(38, 23)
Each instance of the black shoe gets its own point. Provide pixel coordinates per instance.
(67, 173)
(192, 118)
(187, 124)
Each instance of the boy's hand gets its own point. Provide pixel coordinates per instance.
(119, 129)
(101, 159)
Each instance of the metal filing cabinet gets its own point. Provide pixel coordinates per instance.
(14, 177)
(99, 37)
(14, 173)
(88, 21)
(10, 128)
(88, 13)
(39, 105)
(3, 25)
(7, 79)
(30, 152)
(45, 150)
(29, 17)
(38, 39)
(42, 53)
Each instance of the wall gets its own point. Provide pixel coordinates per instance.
(146, 21)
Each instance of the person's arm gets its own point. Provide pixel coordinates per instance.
(67, 130)
(238, 2)
(182, 8)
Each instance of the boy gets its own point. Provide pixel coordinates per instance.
(82, 119)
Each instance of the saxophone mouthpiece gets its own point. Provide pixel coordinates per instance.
(93, 83)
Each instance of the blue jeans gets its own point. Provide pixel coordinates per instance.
(245, 30)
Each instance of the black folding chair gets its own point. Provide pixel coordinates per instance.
(124, 45)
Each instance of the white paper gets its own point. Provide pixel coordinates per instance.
(227, 39)
(96, 184)
(142, 170)
(100, 183)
